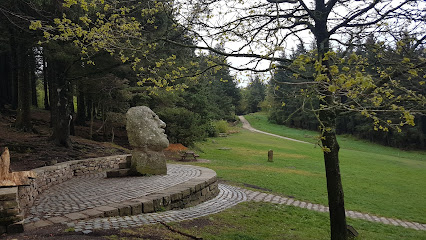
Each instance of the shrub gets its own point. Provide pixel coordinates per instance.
(221, 126)
(183, 126)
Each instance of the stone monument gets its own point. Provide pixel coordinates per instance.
(145, 131)
(146, 135)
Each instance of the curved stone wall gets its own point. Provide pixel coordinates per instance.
(189, 193)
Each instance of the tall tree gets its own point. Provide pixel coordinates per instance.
(256, 94)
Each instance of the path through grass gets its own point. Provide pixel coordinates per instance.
(378, 180)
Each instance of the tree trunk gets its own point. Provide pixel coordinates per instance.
(60, 110)
(23, 118)
(327, 119)
(81, 105)
(14, 71)
(334, 183)
(33, 69)
(45, 83)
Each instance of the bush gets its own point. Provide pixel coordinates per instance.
(221, 126)
(211, 129)
(183, 126)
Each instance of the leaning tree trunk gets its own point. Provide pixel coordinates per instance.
(327, 118)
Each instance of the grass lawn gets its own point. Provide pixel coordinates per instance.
(377, 180)
(261, 221)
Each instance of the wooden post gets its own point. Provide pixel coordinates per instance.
(270, 155)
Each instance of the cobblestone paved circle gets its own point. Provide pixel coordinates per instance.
(93, 190)
(229, 196)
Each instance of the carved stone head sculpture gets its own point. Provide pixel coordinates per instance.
(145, 129)
(146, 135)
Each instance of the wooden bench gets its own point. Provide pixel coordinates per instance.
(186, 154)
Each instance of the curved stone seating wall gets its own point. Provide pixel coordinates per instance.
(16, 200)
(51, 175)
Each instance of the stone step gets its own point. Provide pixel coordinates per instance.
(118, 173)
(123, 165)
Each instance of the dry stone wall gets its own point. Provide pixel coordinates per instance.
(51, 175)
(14, 201)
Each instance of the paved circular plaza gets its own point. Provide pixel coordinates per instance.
(93, 190)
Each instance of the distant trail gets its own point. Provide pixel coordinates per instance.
(247, 126)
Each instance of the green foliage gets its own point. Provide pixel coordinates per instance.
(183, 126)
(221, 126)
(367, 107)
(255, 95)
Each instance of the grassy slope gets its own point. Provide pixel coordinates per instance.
(259, 221)
(378, 180)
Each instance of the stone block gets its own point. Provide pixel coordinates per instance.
(3, 229)
(148, 206)
(16, 227)
(123, 165)
(6, 220)
(213, 186)
(93, 213)
(118, 173)
(9, 212)
(108, 211)
(123, 209)
(204, 191)
(75, 216)
(8, 193)
(176, 196)
(166, 200)
(136, 207)
(8, 204)
(56, 220)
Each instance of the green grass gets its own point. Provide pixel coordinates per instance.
(385, 182)
(259, 221)
(260, 121)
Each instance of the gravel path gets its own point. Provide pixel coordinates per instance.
(247, 126)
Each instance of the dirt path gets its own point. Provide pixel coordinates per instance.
(247, 126)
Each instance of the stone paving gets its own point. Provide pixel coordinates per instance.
(60, 203)
(94, 190)
(229, 196)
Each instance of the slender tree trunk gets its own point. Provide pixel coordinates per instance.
(33, 69)
(71, 107)
(23, 118)
(327, 118)
(81, 105)
(45, 83)
(92, 109)
(334, 183)
(14, 71)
